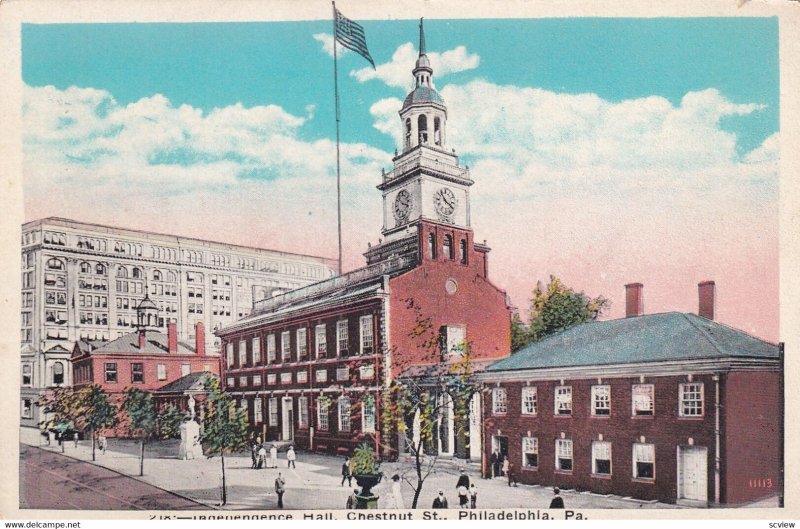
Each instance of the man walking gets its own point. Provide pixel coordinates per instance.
(280, 485)
(253, 453)
(463, 479)
(557, 501)
(290, 458)
(346, 475)
(512, 477)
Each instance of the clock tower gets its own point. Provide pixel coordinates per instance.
(426, 184)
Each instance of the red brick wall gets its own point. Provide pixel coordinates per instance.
(665, 429)
(124, 362)
(752, 403)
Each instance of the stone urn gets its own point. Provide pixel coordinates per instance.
(366, 499)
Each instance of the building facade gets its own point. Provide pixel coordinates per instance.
(83, 281)
(671, 407)
(311, 365)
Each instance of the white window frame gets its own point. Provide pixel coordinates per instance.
(564, 447)
(286, 378)
(258, 411)
(286, 346)
(273, 411)
(644, 453)
(243, 382)
(651, 393)
(256, 350)
(342, 374)
(256, 380)
(368, 413)
(323, 413)
(366, 372)
(26, 412)
(694, 407)
(601, 395)
(602, 448)
(272, 379)
(302, 412)
(161, 371)
(186, 369)
(367, 334)
(344, 409)
(320, 341)
(302, 377)
(530, 445)
(242, 353)
(499, 401)
(302, 342)
(229, 354)
(321, 375)
(529, 400)
(562, 399)
(271, 348)
(342, 337)
(455, 338)
(230, 382)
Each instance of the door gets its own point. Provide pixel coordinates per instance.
(693, 473)
(287, 432)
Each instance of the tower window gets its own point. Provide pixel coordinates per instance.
(462, 250)
(447, 247)
(437, 131)
(422, 127)
(408, 133)
(432, 245)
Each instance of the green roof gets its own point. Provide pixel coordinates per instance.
(671, 336)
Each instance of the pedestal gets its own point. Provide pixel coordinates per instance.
(190, 441)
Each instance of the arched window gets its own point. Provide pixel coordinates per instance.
(122, 272)
(432, 245)
(86, 268)
(408, 132)
(100, 270)
(58, 373)
(137, 273)
(157, 275)
(171, 277)
(462, 250)
(422, 128)
(55, 264)
(447, 247)
(437, 131)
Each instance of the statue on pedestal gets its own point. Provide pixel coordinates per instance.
(190, 436)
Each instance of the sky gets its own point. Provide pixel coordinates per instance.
(604, 151)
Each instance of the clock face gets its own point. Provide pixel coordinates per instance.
(445, 202)
(402, 205)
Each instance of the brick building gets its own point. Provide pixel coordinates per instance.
(672, 407)
(310, 365)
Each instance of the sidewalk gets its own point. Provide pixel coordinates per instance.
(316, 483)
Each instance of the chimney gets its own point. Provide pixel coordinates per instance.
(142, 339)
(172, 336)
(200, 339)
(705, 291)
(634, 303)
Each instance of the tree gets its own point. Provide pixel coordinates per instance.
(169, 422)
(225, 427)
(142, 418)
(555, 308)
(59, 407)
(419, 399)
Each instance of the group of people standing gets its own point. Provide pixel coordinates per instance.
(467, 494)
(500, 466)
(258, 454)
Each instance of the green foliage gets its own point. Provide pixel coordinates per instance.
(554, 308)
(138, 406)
(225, 426)
(363, 461)
(88, 408)
(169, 422)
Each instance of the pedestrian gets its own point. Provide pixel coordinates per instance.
(102, 442)
(273, 456)
(290, 458)
(463, 479)
(280, 485)
(511, 474)
(557, 502)
(440, 502)
(352, 500)
(463, 497)
(495, 463)
(396, 498)
(254, 453)
(75, 438)
(261, 457)
(506, 463)
(473, 496)
(346, 475)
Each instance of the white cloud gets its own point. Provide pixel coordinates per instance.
(768, 151)
(397, 72)
(326, 39)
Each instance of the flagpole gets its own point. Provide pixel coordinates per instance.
(338, 165)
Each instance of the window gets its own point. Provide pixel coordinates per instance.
(302, 342)
(529, 400)
(256, 350)
(242, 382)
(367, 337)
(368, 413)
(273, 411)
(256, 380)
(642, 399)
(447, 247)
(230, 382)
(344, 413)
(321, 375)
(432, 246)
(321, 341)
(341, 337)
(302, 412)
(162, 371)
(286, 378)
(27, 374)
(462, 251)
(186, 369)
(601, 400)
(286, 346)
(342, 374)
(499, 401)
(530, 452)
(691, 399)
(111, 372)
(563, 400)
(366, 372)
(258, 412)
(137, 372)
(644, 461)
(242, 353)
(229, 354)
(243, 405)
(302, 377)
(270, 348)
(323, 405)
(272, 378)
(27, 408)
(564, 455)
(601, 458)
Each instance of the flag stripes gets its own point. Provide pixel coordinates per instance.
(351, 35)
